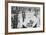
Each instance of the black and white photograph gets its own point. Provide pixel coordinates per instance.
(25, 17)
